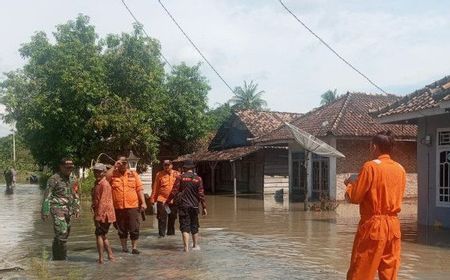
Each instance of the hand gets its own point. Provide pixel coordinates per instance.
(346, 181)
(77, 215)
(143, 206)
(204, 212)
(44, 217)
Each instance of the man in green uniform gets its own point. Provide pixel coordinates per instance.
(61, 200)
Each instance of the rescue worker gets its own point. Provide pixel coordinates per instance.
(61, 200)
(129, 201)
(187, 194)
(162, 187)
(378, 190)
(103, 209)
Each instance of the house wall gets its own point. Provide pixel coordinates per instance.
(356, 152)
(428, 211)
(276, 170)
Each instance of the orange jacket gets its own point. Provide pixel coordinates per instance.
(162, 187)
(125, 189)
(379, 191)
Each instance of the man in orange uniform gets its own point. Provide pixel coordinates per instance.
(162, 187)
(128, 199)
(379, 192)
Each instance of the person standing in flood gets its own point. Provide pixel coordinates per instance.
(129, 201)
(378, 190)
(103, 208)
(162, 187)
(62, 201)
(188, 194)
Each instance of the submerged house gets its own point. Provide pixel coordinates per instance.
(346, 125)
(429, 108)
(233, 164)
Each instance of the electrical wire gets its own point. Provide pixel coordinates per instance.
(193, 44)
(331, 49)
(143, 29)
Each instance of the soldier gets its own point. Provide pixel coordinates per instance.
(61, 200)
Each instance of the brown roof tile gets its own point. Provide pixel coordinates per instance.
(262, 122)
(346, 116)
(425, 98)
(223, 155)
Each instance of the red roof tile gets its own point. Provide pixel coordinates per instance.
(346, 116)
(425, 98)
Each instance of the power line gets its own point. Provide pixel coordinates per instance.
(143, 29)
(331, 49)
(193, 44)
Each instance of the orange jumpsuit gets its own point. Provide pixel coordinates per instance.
(379, 191)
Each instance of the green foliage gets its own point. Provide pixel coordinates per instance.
(86, 184)
(218, 115)
(185, 118)
(24, 160)
(328, 97)
(248, 97)
(79, 95)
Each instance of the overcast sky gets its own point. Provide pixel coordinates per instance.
(401, 45)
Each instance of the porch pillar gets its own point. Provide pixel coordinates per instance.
(308, 163)
(290, 178)
(233, 165)
(332, 172)
(212, 165)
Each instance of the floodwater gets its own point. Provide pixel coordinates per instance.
(247, 238)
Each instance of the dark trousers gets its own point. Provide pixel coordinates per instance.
(128, 222)
(166, 221)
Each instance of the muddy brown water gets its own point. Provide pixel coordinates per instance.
(245, 238)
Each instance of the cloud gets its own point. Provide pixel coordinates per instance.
(401, 45)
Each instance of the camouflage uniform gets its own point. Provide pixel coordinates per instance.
(61, 200)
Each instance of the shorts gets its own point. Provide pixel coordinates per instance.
(101, 228)
(188, 220)
(128, 222)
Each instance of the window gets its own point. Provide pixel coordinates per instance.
(443, 168)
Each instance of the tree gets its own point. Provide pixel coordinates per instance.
(54, 95)
(185, 118)
(328, 97)
(248, 97)
(219, 115)
(24, 159)
(82, 95)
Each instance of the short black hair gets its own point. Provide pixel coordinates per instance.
(384, 141)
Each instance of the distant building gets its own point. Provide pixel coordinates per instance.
(345, 124)
(429, 108)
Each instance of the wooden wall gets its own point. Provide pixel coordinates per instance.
(276, 170)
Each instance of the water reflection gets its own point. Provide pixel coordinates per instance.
(252, 237)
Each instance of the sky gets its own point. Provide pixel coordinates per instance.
(401, 45)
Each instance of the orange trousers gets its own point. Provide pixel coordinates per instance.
(376, 247)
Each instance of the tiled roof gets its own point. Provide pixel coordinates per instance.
(223, 155)
(426, 98)
(256, 124)
(346, 116)
(262, 122)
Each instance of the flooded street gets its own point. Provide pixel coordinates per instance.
(247, 238)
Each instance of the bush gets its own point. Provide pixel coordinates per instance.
(87, 184)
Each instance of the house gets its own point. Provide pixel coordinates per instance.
(233, 164)
(346, 125)
(429, 108)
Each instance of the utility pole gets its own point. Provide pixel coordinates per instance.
(14, 147)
